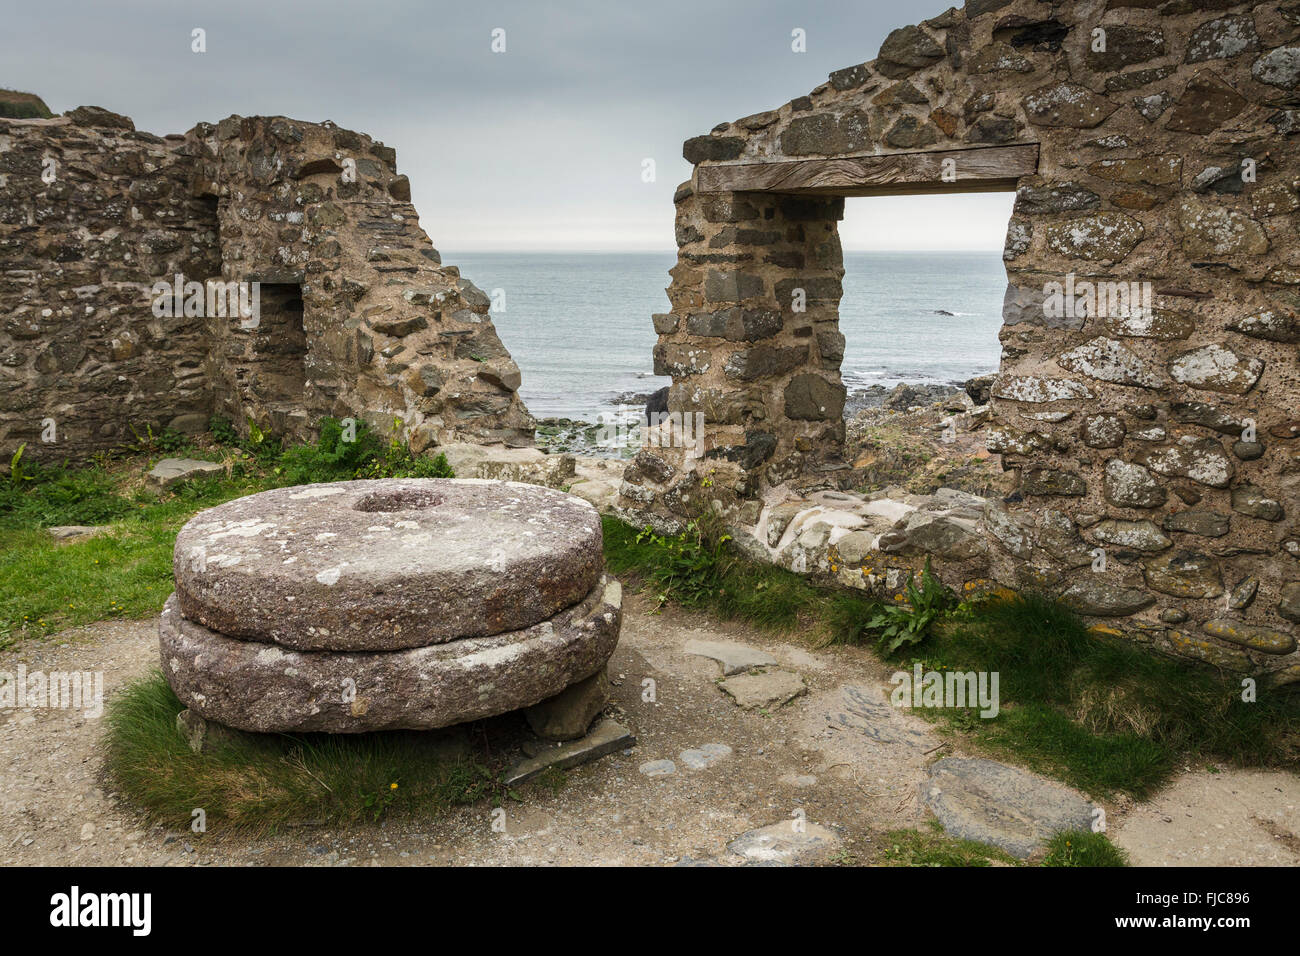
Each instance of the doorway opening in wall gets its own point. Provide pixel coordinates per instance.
(924, 282)
(279, 351)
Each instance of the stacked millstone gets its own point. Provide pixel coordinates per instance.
(397, 604)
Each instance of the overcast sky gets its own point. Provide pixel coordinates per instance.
(539, 147)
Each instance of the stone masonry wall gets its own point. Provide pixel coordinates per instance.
(383, 330)
(1168, 438)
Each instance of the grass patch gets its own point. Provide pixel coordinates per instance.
(1083, 848)
(1101, 714)
(18, 105)
(697, 570)
(261, 784)
(1095, 711)
(48, 586)
(935, 848)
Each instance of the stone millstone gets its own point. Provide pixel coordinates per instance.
(264, 688)
(386, 565)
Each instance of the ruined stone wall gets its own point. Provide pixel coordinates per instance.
(1166, 155)
(79, 345)
(359, 316)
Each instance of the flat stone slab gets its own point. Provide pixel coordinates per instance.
(791, 842)
(172, 471)
(605, 738)
(734, 658)
(386, 565)
(768, 690)
(1006, 807)
(867, 711)
(267, 688)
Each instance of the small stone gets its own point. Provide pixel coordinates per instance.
(1140, 535)
(1278, 67)
(907, 50)
(1200, 459)
(1206, 415)
(1206, 104)
(1068, 105)
(1288, 605)
(1185, 574)
(1108, 361)
(1275, 325)
(1173, 615)
(1105, 235)
(1252, 501)
(658, 768)
(1209, 524)
(1102, 431)
(1132, 486)
(1264, 639)
(1210, 231)
(1222, 38)
(1243, 595)
(1100, 598)
(1050, 481)
(1216, 368)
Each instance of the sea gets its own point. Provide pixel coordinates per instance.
(578, 324)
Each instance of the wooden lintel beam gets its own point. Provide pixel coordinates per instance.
(985, 169)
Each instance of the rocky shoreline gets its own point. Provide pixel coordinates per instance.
(579, 437)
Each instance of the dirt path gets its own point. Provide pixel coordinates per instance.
(839, 758)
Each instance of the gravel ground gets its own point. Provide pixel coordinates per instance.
(837, 757)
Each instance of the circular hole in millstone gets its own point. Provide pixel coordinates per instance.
(402, 499)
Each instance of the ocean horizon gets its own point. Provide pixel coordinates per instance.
(578, 323)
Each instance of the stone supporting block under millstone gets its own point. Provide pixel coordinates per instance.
(206, 736)
(568, 714)
(267, 688)
(386, 565)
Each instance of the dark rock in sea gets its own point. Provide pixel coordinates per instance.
(657, 402)
(629, 398)
(942, 312)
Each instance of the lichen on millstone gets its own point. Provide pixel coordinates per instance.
(386, 565)
(266, 688)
